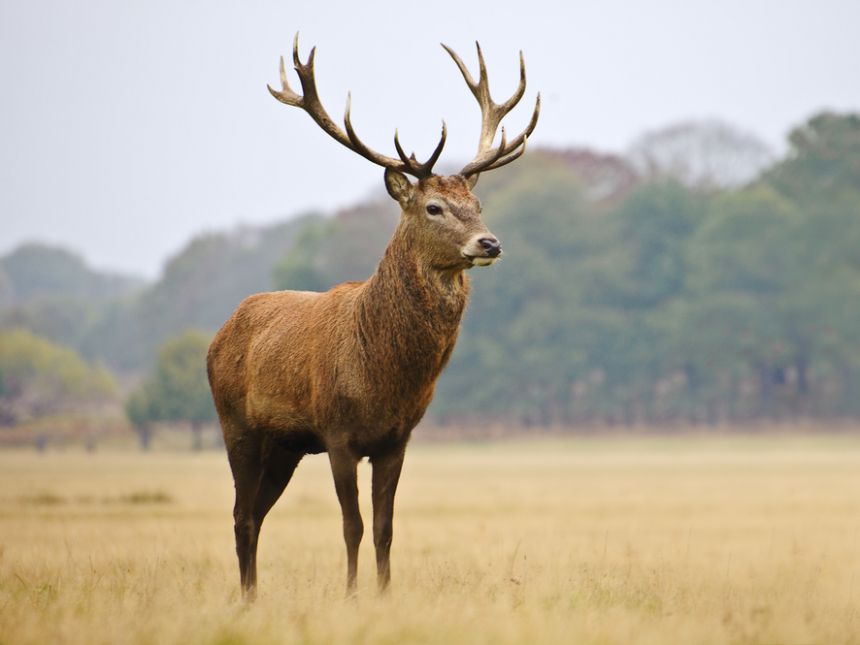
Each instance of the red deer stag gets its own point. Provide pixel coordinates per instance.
(351, 371)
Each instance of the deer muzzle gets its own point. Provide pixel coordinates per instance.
(482, 250)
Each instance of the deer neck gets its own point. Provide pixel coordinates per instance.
(409, 313)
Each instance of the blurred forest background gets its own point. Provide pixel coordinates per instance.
(697, 280)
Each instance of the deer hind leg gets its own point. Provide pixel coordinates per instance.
(245, 456)
(279, 464)
(261, 470)
(343, 467)
(386, 474)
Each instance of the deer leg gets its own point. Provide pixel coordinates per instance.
(278, 468)
(386, 474)
(343, 467)
(246, 464)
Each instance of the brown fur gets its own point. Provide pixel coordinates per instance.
(349, 372)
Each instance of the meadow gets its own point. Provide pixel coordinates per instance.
(692, 539)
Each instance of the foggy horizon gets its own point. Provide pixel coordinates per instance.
(130, 129)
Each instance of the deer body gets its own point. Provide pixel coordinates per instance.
(351, 371)
(315, 368)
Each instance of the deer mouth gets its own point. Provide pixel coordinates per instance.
(479, 260)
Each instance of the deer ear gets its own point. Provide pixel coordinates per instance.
(398, 186)
(472, 180)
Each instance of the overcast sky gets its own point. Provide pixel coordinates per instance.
(126, 127)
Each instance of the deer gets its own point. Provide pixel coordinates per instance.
(351, 371)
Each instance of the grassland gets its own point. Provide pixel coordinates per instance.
(689, 540)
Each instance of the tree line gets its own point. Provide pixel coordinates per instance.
(664, 287)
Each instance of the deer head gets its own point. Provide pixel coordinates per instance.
(441, 216)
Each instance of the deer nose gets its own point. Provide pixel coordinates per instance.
(491, 246)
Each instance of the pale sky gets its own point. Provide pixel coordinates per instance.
(125, 128)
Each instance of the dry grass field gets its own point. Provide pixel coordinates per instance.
(628, 540)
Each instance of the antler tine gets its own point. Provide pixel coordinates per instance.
(421, 169)
(467, 76)
(521, 87)
(357, 145)
(506, 160)
(505, 153)
(399, 148)
(482, 69)
(492, 114)
(310, 102)
(296, 60)
(500, 151)
(520, 139)
(286, 95)
(438, 151)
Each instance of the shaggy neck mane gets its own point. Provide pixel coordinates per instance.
(409, 313)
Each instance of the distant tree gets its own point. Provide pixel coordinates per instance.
(821, 176)
(302, 268)
(177, 390)
(63, 320)
(40, 379)
(5, 290)
(823, 160)
(701, 154)
(56, 295)
(745, 261)
(142, 416)
(121, 320)
(330, 251)
(646, 265)
(202, 285)
(603, 178)
(39, 271)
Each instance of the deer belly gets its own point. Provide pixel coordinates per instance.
(301, 441)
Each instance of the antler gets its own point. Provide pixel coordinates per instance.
(310, 103)
(488, 157)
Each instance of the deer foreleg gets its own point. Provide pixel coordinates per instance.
(343, 467)
(386, 474)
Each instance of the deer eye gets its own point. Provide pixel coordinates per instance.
(433, 209)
